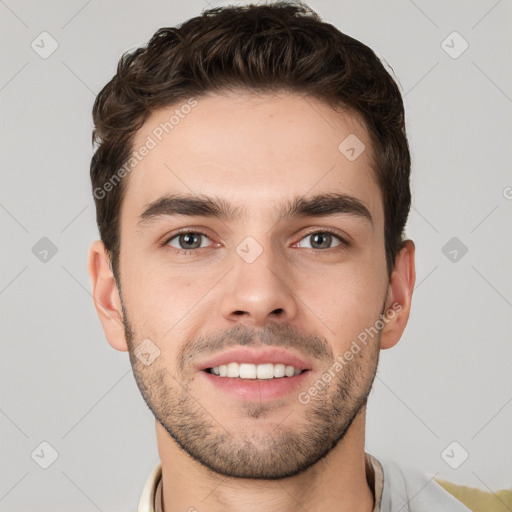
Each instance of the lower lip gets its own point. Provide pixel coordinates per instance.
(257, 390)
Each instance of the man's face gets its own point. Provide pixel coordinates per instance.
(305, 284)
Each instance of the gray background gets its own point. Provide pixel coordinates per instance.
(447, 380)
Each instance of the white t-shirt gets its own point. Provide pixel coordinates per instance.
(395, 489)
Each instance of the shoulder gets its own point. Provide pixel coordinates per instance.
(478, 500)
(409, 490)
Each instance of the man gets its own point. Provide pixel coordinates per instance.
(251, 182)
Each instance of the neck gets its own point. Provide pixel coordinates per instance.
(336, 482)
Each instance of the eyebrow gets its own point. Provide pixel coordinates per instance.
(320, 205)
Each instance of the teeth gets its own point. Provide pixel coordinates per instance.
(233, 370)
(263, 371)
(247, 371)
(255, 371)
(289, 371)
(279, 370)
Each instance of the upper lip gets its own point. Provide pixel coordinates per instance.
(266, 355)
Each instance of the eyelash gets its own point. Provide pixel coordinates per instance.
(190, 252)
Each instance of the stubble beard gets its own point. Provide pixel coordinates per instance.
(235, 452)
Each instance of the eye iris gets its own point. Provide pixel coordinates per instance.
(188, 238)
(325, 236)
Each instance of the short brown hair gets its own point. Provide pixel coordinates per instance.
(283, 46)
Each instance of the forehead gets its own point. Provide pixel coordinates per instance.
(251, 150)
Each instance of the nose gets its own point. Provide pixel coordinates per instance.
(259, 292)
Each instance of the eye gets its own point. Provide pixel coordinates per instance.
(187, 240)
(323, 240)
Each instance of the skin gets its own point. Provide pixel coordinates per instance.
(219, 452)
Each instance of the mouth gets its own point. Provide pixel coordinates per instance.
(254, 383)
(259, 375)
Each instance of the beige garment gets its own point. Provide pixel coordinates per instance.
(151, 499)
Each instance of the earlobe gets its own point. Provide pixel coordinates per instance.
(400, 289)
(107, 300)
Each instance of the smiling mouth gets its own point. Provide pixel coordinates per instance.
(266, 371)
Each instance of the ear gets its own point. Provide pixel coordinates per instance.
(398, 301)
(106, 296)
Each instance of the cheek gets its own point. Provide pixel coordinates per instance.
(349, 302)
(165, 301)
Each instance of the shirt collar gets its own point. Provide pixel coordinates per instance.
(151, 498)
